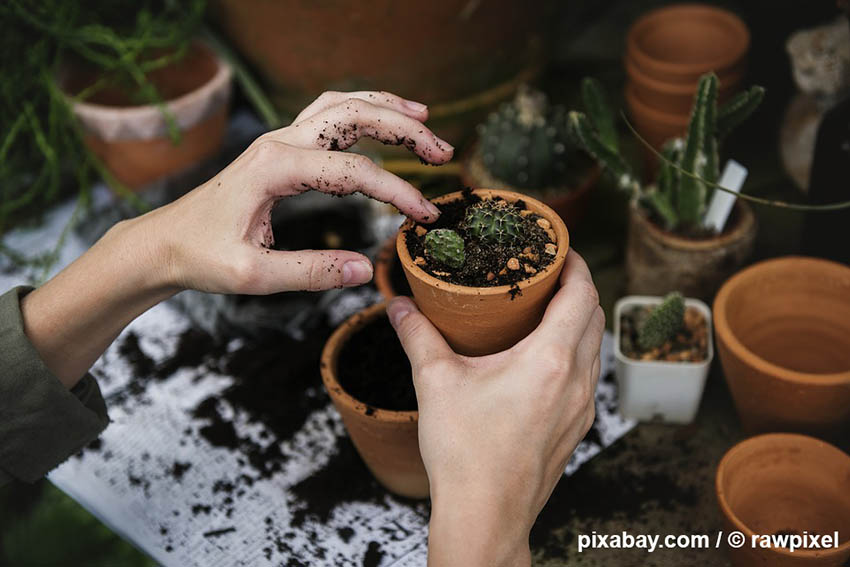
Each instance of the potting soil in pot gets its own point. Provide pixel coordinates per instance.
(689, 345)
(486, 263)
(373, 368)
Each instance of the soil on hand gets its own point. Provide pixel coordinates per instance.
(689, 345)
(373, 368)
(487, 264)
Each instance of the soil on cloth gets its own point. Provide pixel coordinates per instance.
(487, 264)
(689, 345)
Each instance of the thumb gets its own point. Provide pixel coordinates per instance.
(422, 342)
(314, 270)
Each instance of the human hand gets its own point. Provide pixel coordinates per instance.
(219, 236)
(496, 432)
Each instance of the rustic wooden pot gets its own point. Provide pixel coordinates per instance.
(658, 261)
(482, 320)
(388, 441)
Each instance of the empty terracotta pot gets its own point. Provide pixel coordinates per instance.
(783, 335)
(676, 44)
(389, 276)
(387, 440)
(658, 261)
(790, 484)
(482, 320)
(655, 126)
(132, 140)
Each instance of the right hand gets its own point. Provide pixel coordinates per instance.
(496, 432)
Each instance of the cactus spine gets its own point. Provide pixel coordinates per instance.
(663, 322)
(494, 221)
(446, 247)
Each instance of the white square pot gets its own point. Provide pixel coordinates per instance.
(660, 391)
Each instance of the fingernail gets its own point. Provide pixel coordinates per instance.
(415, 106)
(444, 145)
(356, 272)
(433, 211)
(397, 309)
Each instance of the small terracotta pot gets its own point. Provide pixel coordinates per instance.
(785, 484)
(482, 320)
(655, 126)
(387, 440)
(569, 202)
(658, 261)
(389, 275)
(783, 335)
(676, 44)
(132, 140)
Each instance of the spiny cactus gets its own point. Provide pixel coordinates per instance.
(525, 143)
(679, 200)
(446, 247)
(494, 221)
(663, 322)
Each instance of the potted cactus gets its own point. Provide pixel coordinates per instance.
(524, 146)
(668, 246)
(663, 350)
(484, 272)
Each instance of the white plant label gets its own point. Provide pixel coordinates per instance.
(733, 177)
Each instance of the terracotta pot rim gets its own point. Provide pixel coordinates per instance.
(746, 219)
(728, 82)
(328, 363)
(739, 525)
(677, 12)
(511, 196)
(723, 329)
(665, 118)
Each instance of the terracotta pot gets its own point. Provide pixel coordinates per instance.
(387, 440)
(569, 202)
(389, 276)
(785, 484)
(304, 48)
(655, 126)
(783, 335)
(132, 140)
(482, 320)
(678, 43)
(658, 261)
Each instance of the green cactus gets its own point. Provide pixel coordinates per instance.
(678, 200)
(494, 221)
(446, 247)
(663, 322)
(525, 143)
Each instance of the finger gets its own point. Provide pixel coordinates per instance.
(341, 126)
(594, 374)
(304, 270)
(422, 342)
(328, 99)
(591, 342)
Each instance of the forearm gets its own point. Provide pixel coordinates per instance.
(74, 317)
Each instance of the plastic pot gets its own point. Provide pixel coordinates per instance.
(783, 335)
(388, 441)
(785, 484)
(482, 320)
(659, 390)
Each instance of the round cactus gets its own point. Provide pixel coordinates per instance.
(494, 221)
(446, 247)
(663, 322)
(526, 143)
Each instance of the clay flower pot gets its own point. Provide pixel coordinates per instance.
(658, 261)
(389, 276)
(669, 392)
(655, 126)
(132, 140)
(388, 441)
(786, 484)
(783, 335)
(676, 44)
(482, 320)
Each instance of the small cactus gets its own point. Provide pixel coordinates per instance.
(494, 221)
(525, 143)
(446, 247)
(663, 322)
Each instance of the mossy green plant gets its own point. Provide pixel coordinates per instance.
(446, 247)
(494, 221)
(663, 322)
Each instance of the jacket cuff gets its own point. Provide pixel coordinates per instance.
(42, 423)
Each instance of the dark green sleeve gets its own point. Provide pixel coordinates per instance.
(42, 423)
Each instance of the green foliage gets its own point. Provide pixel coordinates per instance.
(446, 247)
(526, 144)
(494, 221)
(663, 322)
(678, 200)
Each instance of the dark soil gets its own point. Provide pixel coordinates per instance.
(373, 368)
(689, 345)
(483, 258)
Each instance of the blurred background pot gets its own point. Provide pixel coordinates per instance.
(783, 334)
(133, 140)
(389, 275)
(785, 484)
(387, 440)
(658, 261)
